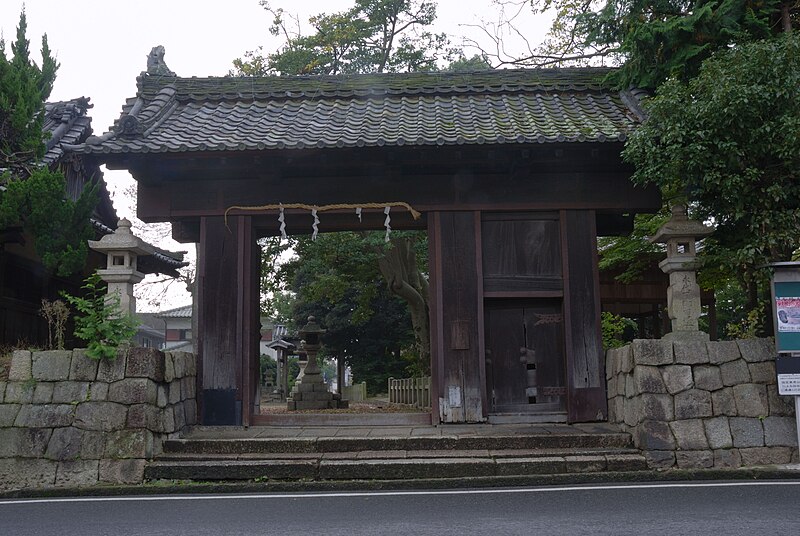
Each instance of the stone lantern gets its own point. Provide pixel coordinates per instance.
(122, 249)
(310, 391)
(680, 234)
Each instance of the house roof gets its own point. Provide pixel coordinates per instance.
(174, 115)
(178, 312)
(67, 123)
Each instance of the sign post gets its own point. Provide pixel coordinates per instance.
(786, 314)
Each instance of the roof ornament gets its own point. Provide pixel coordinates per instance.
(129, 127)
(155, 62)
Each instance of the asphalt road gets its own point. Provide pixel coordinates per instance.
(715, 508)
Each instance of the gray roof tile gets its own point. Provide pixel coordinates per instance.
(173, 114)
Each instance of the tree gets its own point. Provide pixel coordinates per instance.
(652, 39)
(373, 36)
(726, 140)
(33, 197)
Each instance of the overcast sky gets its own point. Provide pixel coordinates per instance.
(102, 46)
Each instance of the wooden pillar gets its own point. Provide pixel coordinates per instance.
(227, 319)
(456, 316)
(586, 388)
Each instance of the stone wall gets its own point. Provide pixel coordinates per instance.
(69, 420)
(697, 404)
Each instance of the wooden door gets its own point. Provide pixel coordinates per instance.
(525, 369)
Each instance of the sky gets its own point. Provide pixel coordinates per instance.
(102, 46)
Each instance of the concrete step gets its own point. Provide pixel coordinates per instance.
(409, 467)
(264, 445)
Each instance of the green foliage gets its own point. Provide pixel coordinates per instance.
(462, 64)
(24, 88)
(727, 141)
(613, 328)
(656, 39)
(100, 321)
(372, 36)
(60, 227)
(631, 255)
(56, 314)
(34, 197)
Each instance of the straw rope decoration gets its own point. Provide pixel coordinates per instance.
(315, 209)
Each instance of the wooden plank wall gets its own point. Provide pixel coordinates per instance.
(585, 367)
(457, 316)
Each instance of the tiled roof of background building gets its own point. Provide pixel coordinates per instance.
(178, 312)
(172, 114)
(67, 123)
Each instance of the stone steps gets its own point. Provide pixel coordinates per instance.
(406, 457)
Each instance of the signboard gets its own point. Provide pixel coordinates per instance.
(787, 316)
(788, 369)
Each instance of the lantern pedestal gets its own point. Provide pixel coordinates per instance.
(310, 390)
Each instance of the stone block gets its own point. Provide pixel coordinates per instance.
(757, 350)
(694, 459)
(162, 395)
(188, 387)
(723, 403)
(102, 416)
(112, 370)
(77, 473)
(690, 352)
(129, 444)
(780, 432)
(707, 377)
(121, 471)
(648, 380)
(145, 363)
(189, 364)
(625, 355)
(19, 392)
(727, 459)
(144, 416)
(8, 414)
(778, 404)
(45, 416)
(98, 391)
(722, 352)
(51, 365)
(179, 362)
(65, 444)
(180, 417)
(652, 352)
(734, 372)
(174, 391)
(677, 378)
(616, 409)
(751, 400)
(70, 392)
(2, 391)
(632, 413)
(93, 445)
(718, 433)
(621, 380)
(693, 404)
(17, 473)
(630, 386)
(746, 432)
(763, 372)
(612, 363)
(660, 459)
(169, 367)
(190, 411)
(24, 442)
(656, 407)
(611, 386)
(168, 420)
(654, 435)
(766, 456)
(21, 366)
(689, 434)
(133, 391)
(83, 368)
(43, 393)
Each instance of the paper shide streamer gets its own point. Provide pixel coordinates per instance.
(387, 221)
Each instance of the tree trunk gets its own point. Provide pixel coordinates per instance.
(401, 272)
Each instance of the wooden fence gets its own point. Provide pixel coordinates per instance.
(355, 393)
(411, 391)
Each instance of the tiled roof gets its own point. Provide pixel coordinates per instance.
(67, 123)
(178, 312)
(171, 114)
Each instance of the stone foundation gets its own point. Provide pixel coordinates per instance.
(69, 420)
(696, 404)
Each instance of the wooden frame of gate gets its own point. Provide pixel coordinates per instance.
(215, 157)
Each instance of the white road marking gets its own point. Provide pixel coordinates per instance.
(323, 495)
